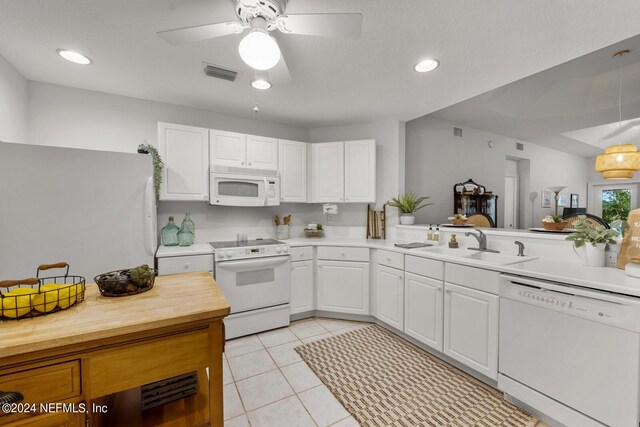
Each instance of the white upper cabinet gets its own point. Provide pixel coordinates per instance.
(360, 171)
(185, 153)
(293, 171)
(327, 175)
(243, 151)
(262, 152)
(343, 172)
(228, 148)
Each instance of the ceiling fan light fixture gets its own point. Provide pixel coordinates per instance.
(73, 56)
(261, 82)
(259, 50)
(426, 65)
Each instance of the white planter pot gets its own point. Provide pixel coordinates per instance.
(407, 219)
(592, 256)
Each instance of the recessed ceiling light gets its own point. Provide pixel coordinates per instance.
(75, 57)
(426, 65)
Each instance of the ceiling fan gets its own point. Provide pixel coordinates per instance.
(258, 48)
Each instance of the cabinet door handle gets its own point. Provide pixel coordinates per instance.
(439, 289)
(448, 291)
(249, 163)
(400, 277)
(187, 265)
(242, 163)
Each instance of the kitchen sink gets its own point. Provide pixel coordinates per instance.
(487, 257)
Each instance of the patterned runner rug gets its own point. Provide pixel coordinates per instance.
(383, 380)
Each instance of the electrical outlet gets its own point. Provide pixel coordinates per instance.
(611, 258)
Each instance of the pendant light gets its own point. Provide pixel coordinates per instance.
(623, 160)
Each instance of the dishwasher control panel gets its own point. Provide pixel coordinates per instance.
(605, 311)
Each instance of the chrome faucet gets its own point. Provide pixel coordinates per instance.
(520, 247)
(482, 241)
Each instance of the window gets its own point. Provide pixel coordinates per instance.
(616, 204)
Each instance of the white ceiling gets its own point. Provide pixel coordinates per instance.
(481, 45)
(572, 107)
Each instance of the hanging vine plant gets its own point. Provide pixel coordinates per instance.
(158, 165)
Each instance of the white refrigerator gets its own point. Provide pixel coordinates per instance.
(95, 210)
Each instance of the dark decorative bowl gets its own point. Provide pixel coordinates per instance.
(120, 283)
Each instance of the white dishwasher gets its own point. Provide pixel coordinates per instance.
(570, 352)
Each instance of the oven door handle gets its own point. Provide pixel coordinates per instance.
(252, 263)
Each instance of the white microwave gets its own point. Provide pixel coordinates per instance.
(229, 186)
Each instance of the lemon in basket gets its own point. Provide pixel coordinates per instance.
(67, 294)
(47, 299)
(17, 303)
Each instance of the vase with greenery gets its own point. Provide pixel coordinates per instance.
(158, 165)
(409, 204)
(589, 242)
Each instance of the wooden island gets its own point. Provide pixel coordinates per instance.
(106, 348)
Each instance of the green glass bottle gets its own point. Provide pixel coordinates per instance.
(170, 233)
(187, 231)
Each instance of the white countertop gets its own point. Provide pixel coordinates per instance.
(195, 249)
(601, 278)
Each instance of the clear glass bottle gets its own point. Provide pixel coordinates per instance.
(170, 233)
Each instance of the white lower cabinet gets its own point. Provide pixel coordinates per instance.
(423, 306)
(301, 286)
(471, 328)
(343, 287)
(390, 296)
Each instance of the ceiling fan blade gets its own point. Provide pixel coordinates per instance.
(200, 32)
(341, 25)
(280, 73)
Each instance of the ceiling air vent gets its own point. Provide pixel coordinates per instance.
(220, 73)
(457, 132)
(519, 146)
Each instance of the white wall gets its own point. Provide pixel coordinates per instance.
(79, 118)
(390, 158)
(436, 161)
(13, 103)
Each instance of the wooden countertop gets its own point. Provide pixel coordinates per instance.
(174, 300)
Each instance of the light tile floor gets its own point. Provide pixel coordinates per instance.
(266, 383)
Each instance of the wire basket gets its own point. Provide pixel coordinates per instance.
(39, 296)
(121, 283)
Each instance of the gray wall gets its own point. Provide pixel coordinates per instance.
(436, 161)
(13, 103)
(79, 118)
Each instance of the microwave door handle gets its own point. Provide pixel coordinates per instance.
(266, 191)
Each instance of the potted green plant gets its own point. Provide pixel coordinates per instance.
(589, 243)
(409, 204)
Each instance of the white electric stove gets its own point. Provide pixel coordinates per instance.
(255, 277)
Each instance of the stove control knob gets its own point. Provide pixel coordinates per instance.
(285, 249)
(229, 254)
(279, 249)
(220, 255)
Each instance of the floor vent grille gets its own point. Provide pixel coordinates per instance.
(220, 73)
(169, 390)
